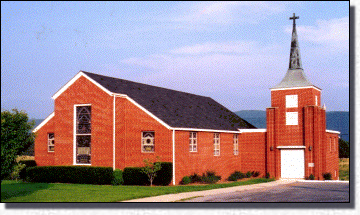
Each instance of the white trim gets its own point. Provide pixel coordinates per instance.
(331, 131)
(114, 133)
(44, 122)
(291, 147)
(252, 130)
(295, 88)
(205, 130)
(75, 78)
(74, 135)
(173, 145)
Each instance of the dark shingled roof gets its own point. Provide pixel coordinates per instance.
(175, 108)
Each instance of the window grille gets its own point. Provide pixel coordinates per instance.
(236, 144)
(193, 142)
(216, 144)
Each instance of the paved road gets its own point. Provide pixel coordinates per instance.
(293, 192)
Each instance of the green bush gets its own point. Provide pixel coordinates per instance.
(210, 178)
(164, 175)
(118, 177)
(311, 177)
(28, 163)
(70, 174)
(248, 174)
(255, 174)
(327, 176)
(185, 180)
(236, 175)
(134, 176)
(15, 175)
(195, 178)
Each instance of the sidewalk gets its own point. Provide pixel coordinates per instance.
(180, 196)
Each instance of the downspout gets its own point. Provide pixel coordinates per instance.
(173, 145)
(114, 133)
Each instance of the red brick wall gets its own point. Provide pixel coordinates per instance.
(42, 156)
(315, 136)
(332, 155)
(252, 147)
(130, 122)
(204, 160)
(271, 166)
(292, 134)
(84, 92)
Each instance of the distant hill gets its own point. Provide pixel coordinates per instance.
(335, 120)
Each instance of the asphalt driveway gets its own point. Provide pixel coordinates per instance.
(291, 192)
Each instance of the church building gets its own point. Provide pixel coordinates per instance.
(111, 122)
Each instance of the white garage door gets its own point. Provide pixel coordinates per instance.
(292, 163)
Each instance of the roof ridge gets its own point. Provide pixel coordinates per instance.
(145, 84)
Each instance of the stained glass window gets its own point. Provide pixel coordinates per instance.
(51, 142)
(148, 141)
(83, 134)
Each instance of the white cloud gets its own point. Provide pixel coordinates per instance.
(200, 15)
(212, 47)
(207, 67)
(331, 35)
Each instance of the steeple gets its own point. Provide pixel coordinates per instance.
(295, 59)
(295, 76)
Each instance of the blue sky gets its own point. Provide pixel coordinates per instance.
(231, 51)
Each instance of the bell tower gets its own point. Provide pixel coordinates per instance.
(295, 121)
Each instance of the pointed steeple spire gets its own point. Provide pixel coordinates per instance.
(295, 76)
(295, 59)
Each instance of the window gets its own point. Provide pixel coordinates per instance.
(193, 142)
(83, 134)
(51, 142)
(292, 118)
(236, 144)
(334, 144)
(216, 144)
(330, 145)
(291, 101)
(316, 101)
(148, 141)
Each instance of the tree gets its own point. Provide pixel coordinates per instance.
(344, 148)
(151, 169)
(15, 138)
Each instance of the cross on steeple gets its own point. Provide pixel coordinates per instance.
(294, 18)
(295, 60)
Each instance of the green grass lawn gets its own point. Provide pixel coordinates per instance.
(12, 191)
(344, 169)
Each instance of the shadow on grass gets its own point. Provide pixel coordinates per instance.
(10, 189)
